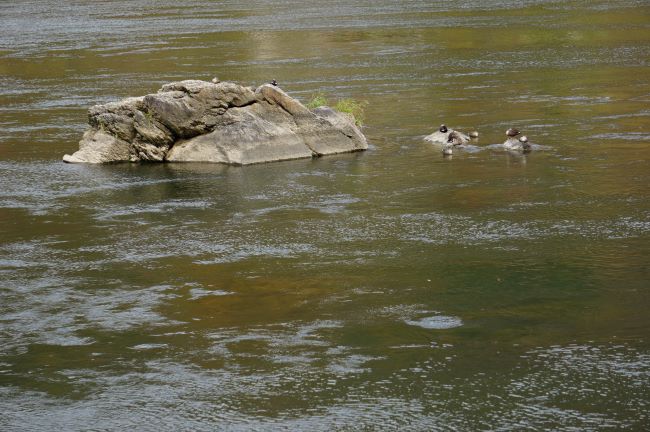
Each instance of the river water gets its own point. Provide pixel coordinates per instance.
(392, 289)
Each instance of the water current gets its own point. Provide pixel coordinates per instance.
(393, 289)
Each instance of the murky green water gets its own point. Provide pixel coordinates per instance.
(387, 290)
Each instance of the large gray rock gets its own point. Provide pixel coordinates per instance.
(199, 121)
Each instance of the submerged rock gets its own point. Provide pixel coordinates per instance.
(200, 121)
(515, 144)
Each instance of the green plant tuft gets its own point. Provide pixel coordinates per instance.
(149, 116)
(317, 100)
(354, 107)
(348, 105)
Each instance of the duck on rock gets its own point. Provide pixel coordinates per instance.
(455, 138)
(441, 136)
(514, 143)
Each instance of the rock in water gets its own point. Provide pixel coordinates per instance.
(440, 137)
(223, 122)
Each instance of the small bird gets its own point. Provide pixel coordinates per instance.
(443, 128)
(274, 83)
(455, 138)
(512, 132)
(518, 144)
(473, 134)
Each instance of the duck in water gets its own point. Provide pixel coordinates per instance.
(514, 143)
(441, 136)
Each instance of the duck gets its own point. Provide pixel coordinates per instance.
(514, 143)
(512, 132)
(441, 136)
(455, 138)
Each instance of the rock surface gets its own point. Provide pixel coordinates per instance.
(223, 122)
(442, 137)
(516, 144)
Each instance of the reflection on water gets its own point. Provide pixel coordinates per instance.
(439, 322)
(391, 289)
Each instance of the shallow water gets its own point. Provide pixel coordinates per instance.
(389, 289)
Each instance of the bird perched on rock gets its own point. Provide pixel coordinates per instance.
(455, 138)
(512, 132)
(441, 136)
(512, 143)
(274, 83)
